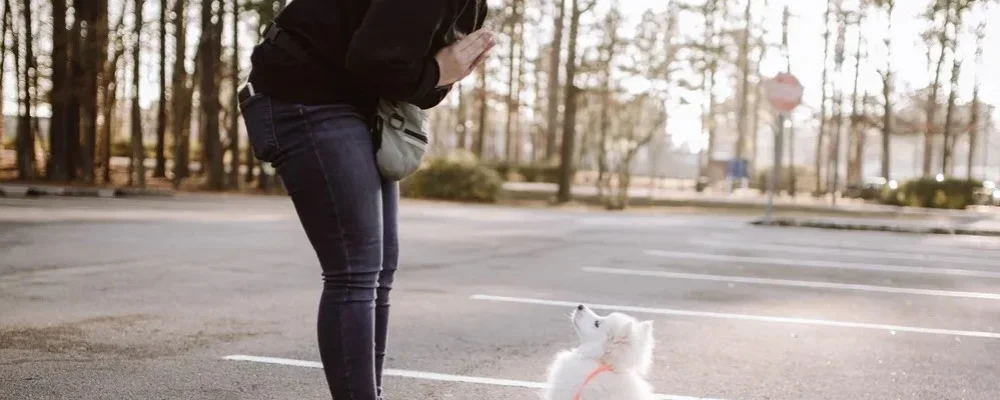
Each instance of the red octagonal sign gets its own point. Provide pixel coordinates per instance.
(784, 92)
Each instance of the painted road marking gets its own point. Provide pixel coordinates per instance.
(931, 246)
(744, 317)
(431, 376)
(814, 250)
(824, 264)
(793, 283)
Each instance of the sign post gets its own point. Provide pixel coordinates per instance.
(784, 92)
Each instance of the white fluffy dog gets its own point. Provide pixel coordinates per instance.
(614, 355)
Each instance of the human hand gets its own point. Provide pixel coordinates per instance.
(459, 59)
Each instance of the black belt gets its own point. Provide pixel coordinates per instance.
(277, 37)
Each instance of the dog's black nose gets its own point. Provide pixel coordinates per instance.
(580, 307)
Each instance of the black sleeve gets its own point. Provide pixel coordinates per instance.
(390, 51)
(432, 98)
(471, 20)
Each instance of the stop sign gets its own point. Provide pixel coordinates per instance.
(784, 92)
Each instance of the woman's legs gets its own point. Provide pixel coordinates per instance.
(327, 164)
(390, 258)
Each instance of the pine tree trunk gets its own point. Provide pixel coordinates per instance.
(757, 108)
(744, 62)
(180, 96)
(974, 119)
(5, 25)
(833, 184)
(860, 139)
(160, 170)
(566, 167)
(552, 119)
(518, 124)
(59, 96)
(823, 100)
(932, 103)
(711, 117)
(25, 144)
(854, 158)
(605, 126)
(887, 112)
(209, 98)
(234, 112)
(462, 123)
(537, 130)
(96, 55)
(607, 54)
(948, 148)
(138, 148)
(74, 104)
(973, 132)
(109, 98)
(480, 143)
(792, 175)
(511, 27)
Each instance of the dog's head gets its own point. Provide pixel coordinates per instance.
(617, 340)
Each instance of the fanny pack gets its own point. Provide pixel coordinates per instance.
(401, 140)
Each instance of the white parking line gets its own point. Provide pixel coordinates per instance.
(930, 246)
(744, 317)
(792, 283)
(824, 264)
(816, 250)
(431, 376)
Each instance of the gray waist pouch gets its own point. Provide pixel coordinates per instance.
(401, 134)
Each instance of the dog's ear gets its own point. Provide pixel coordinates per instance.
(645, 329)
(644, 335)
(642, 332)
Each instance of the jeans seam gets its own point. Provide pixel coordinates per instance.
(340, 228)
(273, 132)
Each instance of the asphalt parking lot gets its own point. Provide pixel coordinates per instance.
(215, 298)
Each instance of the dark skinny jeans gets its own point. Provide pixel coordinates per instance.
(324, 155)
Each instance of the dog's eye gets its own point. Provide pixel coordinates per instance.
(597, 324)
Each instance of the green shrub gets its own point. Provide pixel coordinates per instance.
(892, 197)
(502, 168)
(121, 148)
(930, 193)
(530, 172)
(540, 173)
(804, 179)
(457, 177)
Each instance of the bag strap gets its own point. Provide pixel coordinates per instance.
(282, 40)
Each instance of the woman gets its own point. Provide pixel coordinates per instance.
(314, 85)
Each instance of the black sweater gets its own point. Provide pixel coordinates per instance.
(362, 50)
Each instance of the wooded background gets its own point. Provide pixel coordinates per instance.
(578, 85)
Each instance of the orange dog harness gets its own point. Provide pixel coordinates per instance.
(597, 371)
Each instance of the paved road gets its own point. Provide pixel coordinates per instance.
(143, 299)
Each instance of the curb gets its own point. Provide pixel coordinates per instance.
(30, 191)
(938, 230)
(591, 199)
(876, 211)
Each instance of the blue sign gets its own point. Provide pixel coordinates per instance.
(737, 168)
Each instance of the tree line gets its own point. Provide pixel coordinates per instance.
(561, 91)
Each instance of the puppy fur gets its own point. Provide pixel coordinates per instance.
(618, 341)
